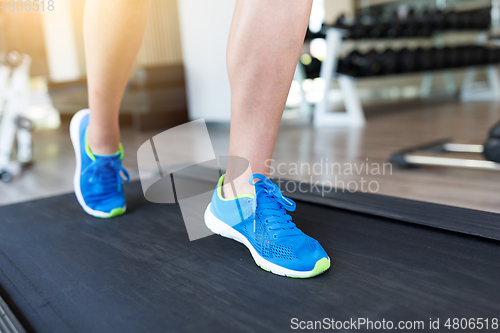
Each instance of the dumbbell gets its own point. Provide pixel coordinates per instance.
(425, 23)
(345, 64)
(312, 66)
(438, 20)
(451, 20)
(379, 29)
(472, 55)
(492, 55)
(477, 18)
(359, 30)
(343, 67)
(483, 20)
(410, 28)
(369, 64)
(491, 149)
(424, 59)
(439, 57)
(465, 20)
(406, 61)
(465, 56)
(478, 55)
(388, 60)
(358, 64)
(495, 131)
(348, 65)
(452, 56)
(312, 35)
(341, 22)
(394, 29)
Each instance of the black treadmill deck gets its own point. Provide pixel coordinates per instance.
(64, 271)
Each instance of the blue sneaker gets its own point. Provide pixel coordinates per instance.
(262, 224)
(98, 179)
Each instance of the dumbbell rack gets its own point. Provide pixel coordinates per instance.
(354, 114)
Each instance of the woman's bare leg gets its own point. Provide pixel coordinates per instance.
(262, 52)
(113, 32)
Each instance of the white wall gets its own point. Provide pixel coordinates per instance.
(60, 43)
(204, 32)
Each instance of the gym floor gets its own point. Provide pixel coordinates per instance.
(387, 131)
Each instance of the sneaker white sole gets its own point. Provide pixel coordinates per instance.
(219, 227)
(74, 131)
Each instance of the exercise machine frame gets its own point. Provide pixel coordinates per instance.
(14, 100)
(409, 157)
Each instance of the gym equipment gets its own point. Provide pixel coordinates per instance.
(61, 270)
(465, 55)
(492, 55)
(340, 23)
(452, 56)
(478, 55)
(452, 20)
(313, 35)
(14, 97)
(424, 24)
(438, 57)
(395, 29)
(424, 59)
(438, 20)
(359, 30)
(410, 28)
(495, 131)
(408, 158)
(312, 66)
(345, 70)
(478, 20)
(491, 149)
(407, 61)
(379, 30)
(388, 62)
(358, 64)
(483, 19)
(464, 20)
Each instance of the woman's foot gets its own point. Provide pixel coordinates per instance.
(98, 179)
(262, 224)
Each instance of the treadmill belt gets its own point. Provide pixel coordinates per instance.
(64, 271)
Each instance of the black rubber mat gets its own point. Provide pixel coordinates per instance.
(63, 271)
(467, 221)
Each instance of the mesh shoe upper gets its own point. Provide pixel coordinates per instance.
(264, 221)
(101, 176)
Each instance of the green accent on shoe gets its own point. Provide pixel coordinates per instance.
(87, 148)
(120, 149)
(268, 270)
(321, 266)
(219, 191)
(114, 212)
(92, 157)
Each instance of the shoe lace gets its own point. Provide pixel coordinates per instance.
(272, 208)
(106, 175)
